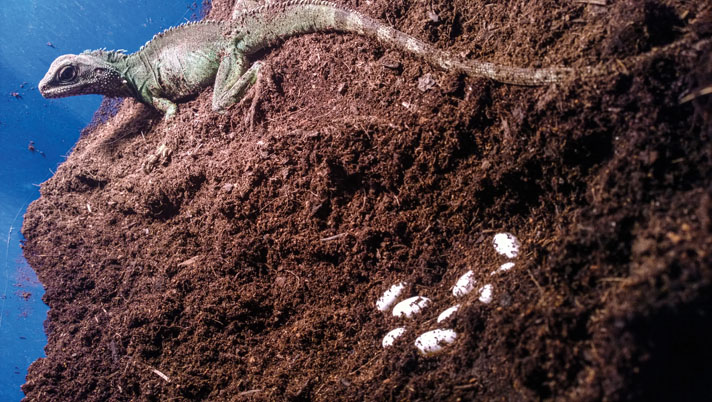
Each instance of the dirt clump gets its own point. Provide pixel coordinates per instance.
(219, 257)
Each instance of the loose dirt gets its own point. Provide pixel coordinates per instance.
(240, 256)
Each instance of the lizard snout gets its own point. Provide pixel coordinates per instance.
(42, 86)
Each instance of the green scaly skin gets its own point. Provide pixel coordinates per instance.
(179, 63)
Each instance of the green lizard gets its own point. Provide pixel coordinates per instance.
(179, 62)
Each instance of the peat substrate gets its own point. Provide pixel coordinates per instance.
(239, 256)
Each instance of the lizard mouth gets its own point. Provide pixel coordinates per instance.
(47, 92)
(49, 89)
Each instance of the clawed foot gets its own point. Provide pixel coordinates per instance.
(248, 86)
(255, 96)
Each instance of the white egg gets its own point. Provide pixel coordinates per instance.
(411, 306)
(447, 313)
(506, 244)
(433, 341)
(504, 268)
(464, 285)
(390, 296)
(391, 337)
(486, 293)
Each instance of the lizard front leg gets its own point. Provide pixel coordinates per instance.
(232, 80)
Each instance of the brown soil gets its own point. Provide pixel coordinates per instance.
(242, 259)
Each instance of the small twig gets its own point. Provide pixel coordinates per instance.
(270, 202)
(364, 365)
(299, 282)
(696, 94)
(612, 279)
(594, 2)
(158, 373)
(334, 237)
(250, 392)
(318, 391)
(189, 261)
(535, 282)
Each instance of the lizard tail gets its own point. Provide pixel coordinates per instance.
(352, 21)
(273, 22)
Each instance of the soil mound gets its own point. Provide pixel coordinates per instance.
(240, 256)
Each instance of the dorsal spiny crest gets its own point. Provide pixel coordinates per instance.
(281, 5)
(108, 55)
(171, 30)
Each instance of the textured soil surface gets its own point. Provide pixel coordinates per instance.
(240, 256)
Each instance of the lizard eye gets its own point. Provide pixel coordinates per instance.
(67, 74)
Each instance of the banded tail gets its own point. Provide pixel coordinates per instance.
(267, 25)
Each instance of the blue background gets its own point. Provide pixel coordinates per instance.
(26, 27)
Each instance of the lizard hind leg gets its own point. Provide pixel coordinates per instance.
(233, 80)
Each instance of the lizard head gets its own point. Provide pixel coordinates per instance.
(81, 74)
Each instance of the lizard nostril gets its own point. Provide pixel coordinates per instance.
(43, 87)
